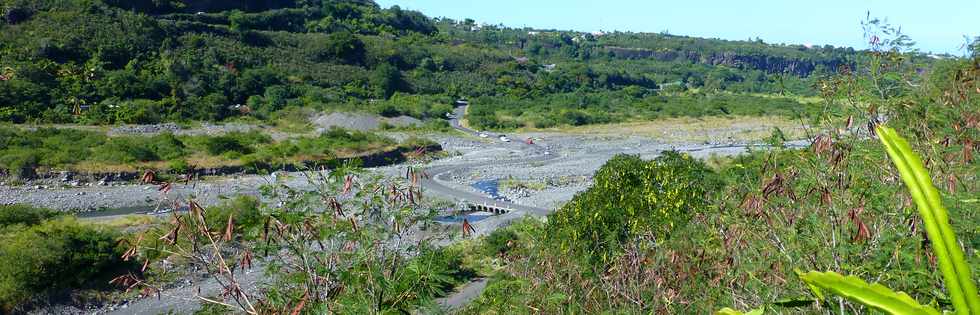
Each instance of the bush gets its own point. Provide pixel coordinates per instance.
(293, 119)
(54, 256)
(166, 146)
(22, 151)
(24, 215)
(138, 112)
(124, 150)
(499, 242)
(631, 198)
(246, 215)
(235, 142)
(21, 164)
(179, 166)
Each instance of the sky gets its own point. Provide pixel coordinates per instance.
(935, 25)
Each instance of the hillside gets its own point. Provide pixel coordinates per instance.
(151, 61)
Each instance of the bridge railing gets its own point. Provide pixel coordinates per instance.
(495, 209)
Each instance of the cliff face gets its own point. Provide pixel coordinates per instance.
(769, 64)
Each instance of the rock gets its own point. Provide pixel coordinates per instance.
(145, 129)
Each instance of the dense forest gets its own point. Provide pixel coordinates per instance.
(151, 61)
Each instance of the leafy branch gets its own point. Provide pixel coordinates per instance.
(956, 273)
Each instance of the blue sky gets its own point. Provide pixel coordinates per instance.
(937, 26)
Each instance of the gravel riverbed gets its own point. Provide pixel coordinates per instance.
(575, 159)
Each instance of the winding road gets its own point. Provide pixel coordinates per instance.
(436, 182)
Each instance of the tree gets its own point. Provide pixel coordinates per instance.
(343, 46)
(386, 80)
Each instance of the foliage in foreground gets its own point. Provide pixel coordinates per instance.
(956, 273)
(357, 243)
(55, 258)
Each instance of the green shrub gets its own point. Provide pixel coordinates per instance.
(21, 164)
(139, 149)
(223, 144)
(24, 215)
(339, 138)
(431, 274)
(235, 142)
(246, 216)
(630, 198)
(293, 119)
(414, 142)
(179, 166)
(499, 242)
(138, 112)
(54, 256)
(124, 150)
(166, 146)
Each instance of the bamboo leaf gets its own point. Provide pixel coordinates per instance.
(872, 295)
(728, 311)
(956, 273)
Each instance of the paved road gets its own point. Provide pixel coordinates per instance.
(438, 175)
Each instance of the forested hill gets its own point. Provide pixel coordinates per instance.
(144, 61)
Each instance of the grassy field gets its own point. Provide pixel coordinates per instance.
(25, 152)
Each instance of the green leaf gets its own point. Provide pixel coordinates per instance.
(871, 295)
(728, 311)
(956, 273)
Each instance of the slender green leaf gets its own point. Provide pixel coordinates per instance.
(872, 295)
(956, 273)
(728, 311)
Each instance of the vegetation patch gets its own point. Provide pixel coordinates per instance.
(43, 257)
(701, 129)
(585, 108)
(25, 152)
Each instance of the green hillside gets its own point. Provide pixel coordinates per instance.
(110, 61)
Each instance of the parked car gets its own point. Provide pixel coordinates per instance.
(504, 138)
(484, 135)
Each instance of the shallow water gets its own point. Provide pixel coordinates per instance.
(490, 187)
(125, 211)
(471, 217)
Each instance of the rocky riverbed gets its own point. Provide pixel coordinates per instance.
(574, 159)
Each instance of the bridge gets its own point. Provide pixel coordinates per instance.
(483, 207)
